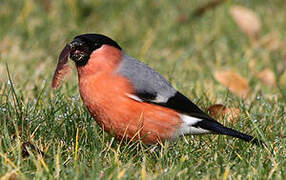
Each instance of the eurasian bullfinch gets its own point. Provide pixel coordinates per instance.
(130, 99)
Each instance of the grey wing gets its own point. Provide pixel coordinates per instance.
(152, 87)
(149, 84)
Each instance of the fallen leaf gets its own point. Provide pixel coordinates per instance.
(12, 175)
(267, 77)
(246, 20)
(232, 114)
(232, 80)
(270, 41)
(219, 111)
(215, 110)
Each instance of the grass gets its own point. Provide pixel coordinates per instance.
(163, 34)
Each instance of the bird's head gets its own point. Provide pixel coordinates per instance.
(83, 45)
(79, 50)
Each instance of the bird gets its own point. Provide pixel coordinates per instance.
(129, 99)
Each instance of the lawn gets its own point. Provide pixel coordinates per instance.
(47, 133)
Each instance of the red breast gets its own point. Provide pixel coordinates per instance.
(104, 92)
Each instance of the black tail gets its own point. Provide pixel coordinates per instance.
(218, 128)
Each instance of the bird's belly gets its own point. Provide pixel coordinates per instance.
(124, 117)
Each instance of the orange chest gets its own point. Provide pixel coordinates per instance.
(106, 98)
(103, 90)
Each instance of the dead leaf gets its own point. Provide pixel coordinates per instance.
(232, 80)
(219, 111)
(215, 110)
(232, 114)
(12, 175)
(270, 41)
(246, 20)
(267, 77)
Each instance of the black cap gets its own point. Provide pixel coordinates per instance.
(97, 40)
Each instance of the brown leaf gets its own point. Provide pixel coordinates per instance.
(12, 175)
(215, 110)
(270, 41)
(246, 20)
(232, 80)
(232, 114)
(267, 77)
(220, 112)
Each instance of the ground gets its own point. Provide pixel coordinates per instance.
(48, 133)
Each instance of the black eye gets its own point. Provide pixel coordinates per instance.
(97, 45)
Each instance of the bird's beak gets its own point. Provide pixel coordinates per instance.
(62, 68)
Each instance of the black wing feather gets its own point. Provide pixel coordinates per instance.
(182, 104)
(178, 102)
